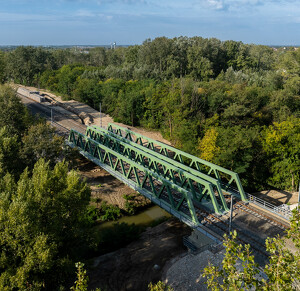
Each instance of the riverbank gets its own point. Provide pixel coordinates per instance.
(132, 268)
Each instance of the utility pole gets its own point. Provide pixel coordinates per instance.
(100, 116)
(230, 219)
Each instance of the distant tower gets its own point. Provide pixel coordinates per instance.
(114, 45)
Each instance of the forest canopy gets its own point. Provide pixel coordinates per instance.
(235, 104)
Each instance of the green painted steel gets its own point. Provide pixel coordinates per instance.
(154, 186)
(166, 167)
(229, 180)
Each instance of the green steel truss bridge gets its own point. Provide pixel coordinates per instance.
(176, 181)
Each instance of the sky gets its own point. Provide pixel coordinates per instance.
(129, 22)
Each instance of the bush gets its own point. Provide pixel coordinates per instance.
(93, 213)
(109, 212)
(130, 204)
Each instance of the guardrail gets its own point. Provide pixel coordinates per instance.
(281, 210)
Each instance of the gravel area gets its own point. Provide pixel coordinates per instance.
(185, 272)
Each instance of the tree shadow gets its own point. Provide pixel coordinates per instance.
(278, 198)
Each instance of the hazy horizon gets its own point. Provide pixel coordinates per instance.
(130, 22)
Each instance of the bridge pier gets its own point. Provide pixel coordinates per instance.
(198, 242)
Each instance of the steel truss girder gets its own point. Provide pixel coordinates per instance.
(190, 161)
(144, 180)
(164, 166)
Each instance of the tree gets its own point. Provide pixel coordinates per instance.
(200, 67)
(2, 68)
(26, 62)
(282, 271)
(9, 153)
(207, 146)
(88, 91)
(281, 142)
(67, 76)
(235, 153)
(41, 142)
(229, 277)
(98, 56)
(13, 114)
(43, 227)
(129, 108)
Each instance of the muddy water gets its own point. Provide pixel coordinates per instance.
(143, 218)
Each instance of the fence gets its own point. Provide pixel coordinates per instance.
(281, 210)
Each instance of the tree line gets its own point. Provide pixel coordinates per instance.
(230, 103)
(43, 204)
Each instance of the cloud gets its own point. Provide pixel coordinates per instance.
(239, 4)
(216, 4)
(84, 13)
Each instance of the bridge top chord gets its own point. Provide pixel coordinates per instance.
(229, 180)
(168, 168)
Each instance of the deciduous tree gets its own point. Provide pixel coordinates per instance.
(43, 227)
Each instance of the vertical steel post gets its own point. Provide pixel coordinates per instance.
(230, 219)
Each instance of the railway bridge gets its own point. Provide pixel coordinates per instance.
(184, 185)
(193, 190)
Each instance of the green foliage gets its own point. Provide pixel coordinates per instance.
(232, 277)
(67, 76)
(81, 283)
(109, 212)
(26, 64)
(2, 68)
(9, 152)
(236, 154)
(43, 226)
(282, 270)
(281, 142)
(294, 231)
(13, 114)
(39, 142)
(88, 91)
(159, 286)
(93, 213)
(207, 146)
(177, 86)
(130, 204)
